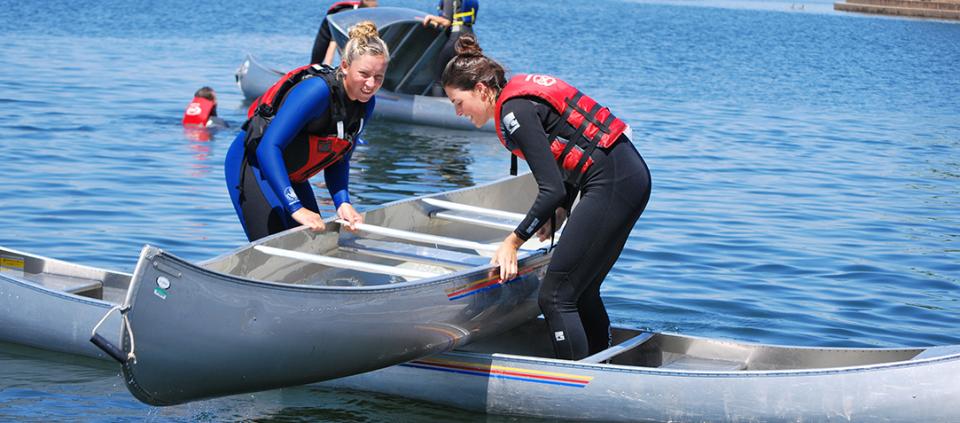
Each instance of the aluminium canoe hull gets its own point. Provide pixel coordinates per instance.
(248, 321)
(788, 383)
(54, 305)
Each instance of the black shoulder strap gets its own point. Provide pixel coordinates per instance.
(338, 106)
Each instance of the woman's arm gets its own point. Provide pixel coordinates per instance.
(304, 102)
(531, 138)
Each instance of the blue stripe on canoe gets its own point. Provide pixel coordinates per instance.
(467, 294)
(493, 375)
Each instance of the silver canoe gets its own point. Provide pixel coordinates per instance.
(670, 377)
(54, 305)
(300, 307)
(406, 92)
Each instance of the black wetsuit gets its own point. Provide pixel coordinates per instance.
(446, 9)
(322, 42)
(613, 193)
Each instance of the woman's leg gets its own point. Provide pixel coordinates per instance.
(591, 243)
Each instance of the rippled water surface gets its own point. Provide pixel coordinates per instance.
(805, 165)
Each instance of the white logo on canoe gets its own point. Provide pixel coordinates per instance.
(544, 80)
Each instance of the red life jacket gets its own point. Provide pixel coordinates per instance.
(342, 5)
(325, 148)
(198, 112)
(595, 125)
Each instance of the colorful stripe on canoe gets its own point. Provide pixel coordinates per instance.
(501, 372)
(481, 285)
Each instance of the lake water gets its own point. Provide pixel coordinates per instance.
(805, 166)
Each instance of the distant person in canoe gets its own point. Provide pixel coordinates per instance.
(324, 47)
(308, 121)
(202, 110)
(573, 146)
(456, 17)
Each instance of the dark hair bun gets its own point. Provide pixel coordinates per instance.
(468, 46)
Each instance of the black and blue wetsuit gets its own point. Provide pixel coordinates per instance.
(261, 188)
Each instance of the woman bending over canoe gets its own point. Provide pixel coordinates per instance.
(306, 122)
(573, 146)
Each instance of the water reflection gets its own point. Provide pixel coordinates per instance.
(402, 160)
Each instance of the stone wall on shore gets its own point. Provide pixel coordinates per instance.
(936, 9)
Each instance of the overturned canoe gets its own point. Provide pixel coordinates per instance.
(669, 377)
(408, 93)
(300, 307)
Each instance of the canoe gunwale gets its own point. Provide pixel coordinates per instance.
(654, 371)
(158, 256)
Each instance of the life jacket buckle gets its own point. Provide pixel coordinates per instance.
(265, 110)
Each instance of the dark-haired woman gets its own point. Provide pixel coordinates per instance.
(573, 146)
(308, 121)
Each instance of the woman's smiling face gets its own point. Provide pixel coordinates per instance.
(475, 104)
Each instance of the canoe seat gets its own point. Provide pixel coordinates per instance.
(72, 285)
(411, 252)
(705, 364)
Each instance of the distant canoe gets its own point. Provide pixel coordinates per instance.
(300, 307)
(405, 95)
(670, 377)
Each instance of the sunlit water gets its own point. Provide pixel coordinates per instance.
(805, 166)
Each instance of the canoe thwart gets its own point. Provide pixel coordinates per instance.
(425, 238)
(474, 220)
(346, 264)
(450, 205)
(411, 252)
(618, 349)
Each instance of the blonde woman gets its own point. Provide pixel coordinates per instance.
(306, 122)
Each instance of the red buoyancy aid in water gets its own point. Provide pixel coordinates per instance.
(594, 124)
(198, 112)
(324, 149)
(342, 5)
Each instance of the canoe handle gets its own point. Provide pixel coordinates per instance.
(109, 348)
(104, 344)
